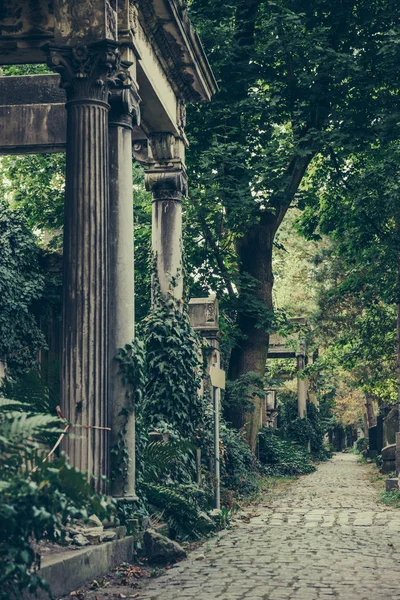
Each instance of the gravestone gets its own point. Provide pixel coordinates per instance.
(379, 433)
(388, 459)
(391, 426)
(373, 442)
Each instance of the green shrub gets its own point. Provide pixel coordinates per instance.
(362, 445)
(239, 467)
(305, 432)
(37, 498)
(282, 457)
(173, 365)
(391, 498)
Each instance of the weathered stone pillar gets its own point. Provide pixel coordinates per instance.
(166, 179)
(85, 73)
(124, 105)
(301, 387)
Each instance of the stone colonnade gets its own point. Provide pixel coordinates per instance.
(126, 71)
(282, 348)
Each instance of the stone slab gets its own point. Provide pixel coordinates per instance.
(67, 571)
(32, 128)
(392, 484)
(31, 89)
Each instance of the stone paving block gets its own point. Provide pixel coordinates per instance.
(327, 537)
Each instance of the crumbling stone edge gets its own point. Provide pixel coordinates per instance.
(68, 571)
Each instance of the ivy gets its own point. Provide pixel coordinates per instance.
(22, 285)
(173, 369)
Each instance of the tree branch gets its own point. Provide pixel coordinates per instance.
(218, 258)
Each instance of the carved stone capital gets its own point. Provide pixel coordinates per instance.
(162, 147)
(166, 184)
(124, 100)
(87, 71)
(140, 152)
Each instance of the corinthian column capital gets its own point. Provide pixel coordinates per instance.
(87, 71)
(125, 102)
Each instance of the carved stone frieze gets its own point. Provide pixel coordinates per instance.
(87, 72)
(86, 21)
(181, 116)
(20, 19)
(170, 53)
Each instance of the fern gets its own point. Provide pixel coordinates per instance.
(181, 513)
(158, 456)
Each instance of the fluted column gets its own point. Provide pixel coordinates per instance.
(124, 105)
(167, 181)
(86, 73)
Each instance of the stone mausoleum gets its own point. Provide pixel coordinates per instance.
(124, 71)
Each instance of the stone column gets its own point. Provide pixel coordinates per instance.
(124, 105)
(301, 387)
(166, 179)
(86, 72)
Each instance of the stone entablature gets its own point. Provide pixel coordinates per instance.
(168, 61)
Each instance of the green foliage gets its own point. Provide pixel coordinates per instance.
(391, 498)
(37, 497)
(305, 432)
(173, 367)
(282, 457)
(21, 286)
(164, 470)
(239, 467)
(131, 361)
(178, 506)
(362, 445)
(300, 83)
(35, 184)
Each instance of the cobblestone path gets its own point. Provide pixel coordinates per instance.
(325, 537)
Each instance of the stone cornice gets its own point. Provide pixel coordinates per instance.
(178, 48)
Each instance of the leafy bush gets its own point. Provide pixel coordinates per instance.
(179, 504)
(173, 367)
(282, 457)
(22, 284)
(307, 431)
(37, 497)
(392, 498)
(362, 445)
(239, 467)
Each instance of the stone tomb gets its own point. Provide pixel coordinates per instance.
(123, 73)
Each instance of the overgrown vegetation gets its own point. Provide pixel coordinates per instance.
(38, 497)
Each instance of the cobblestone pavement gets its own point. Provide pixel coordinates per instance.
(325, 537)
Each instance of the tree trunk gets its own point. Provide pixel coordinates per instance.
(255, 254)
(370, 411)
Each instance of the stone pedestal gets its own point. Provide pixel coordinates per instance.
(124, 106)
(204, 318)
(392, 485)
(85, 73)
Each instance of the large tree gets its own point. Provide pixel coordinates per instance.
(298, 79)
